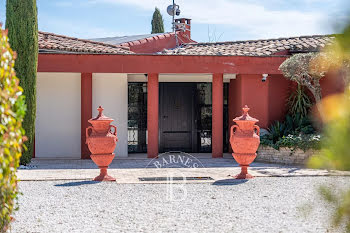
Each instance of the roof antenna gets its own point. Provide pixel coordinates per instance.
(172, 11)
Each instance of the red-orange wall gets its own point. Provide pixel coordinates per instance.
(255, 94)
(279, 91)
(332, 83)
(249, 90)
(267, 100)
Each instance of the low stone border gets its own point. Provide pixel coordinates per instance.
(284, 155)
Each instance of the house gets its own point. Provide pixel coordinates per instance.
(163, 97)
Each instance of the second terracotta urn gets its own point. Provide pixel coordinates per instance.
(102, 141)
(244, 140)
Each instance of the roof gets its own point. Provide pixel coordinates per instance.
(124, 39)
(265, 47)
(52, 43)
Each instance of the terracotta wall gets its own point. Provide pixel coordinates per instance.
(279, 91)
(332, 83)
(249, 90)
(267, 100)
(255, 94)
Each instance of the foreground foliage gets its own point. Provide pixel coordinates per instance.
(335, 153)
(12, 111)
(22, 25)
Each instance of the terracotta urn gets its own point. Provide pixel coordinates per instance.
(101, 141)
(244, 140)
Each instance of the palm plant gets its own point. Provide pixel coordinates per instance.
(299, 102)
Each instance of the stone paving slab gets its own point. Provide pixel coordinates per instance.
(129, 171)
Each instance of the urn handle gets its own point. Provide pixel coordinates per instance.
(232, 129)
(115, 129)
(87, 132)
(257, 128)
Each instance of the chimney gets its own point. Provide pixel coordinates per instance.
(183, 25)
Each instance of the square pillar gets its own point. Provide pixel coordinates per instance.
(234, 103)
(86, 111)
(152, 115)
(217, 116)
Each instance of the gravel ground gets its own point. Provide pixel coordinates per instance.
(268, 204)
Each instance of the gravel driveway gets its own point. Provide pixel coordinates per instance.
(264, 204)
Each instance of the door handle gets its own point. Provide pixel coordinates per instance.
(164, 117)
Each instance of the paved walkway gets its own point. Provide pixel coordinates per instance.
(130, 170)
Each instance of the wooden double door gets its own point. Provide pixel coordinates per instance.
(177, 117)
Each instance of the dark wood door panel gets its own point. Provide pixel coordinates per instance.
(177, 141)
(176, 116)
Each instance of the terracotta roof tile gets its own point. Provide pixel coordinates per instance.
(52, 43)
(265, 47)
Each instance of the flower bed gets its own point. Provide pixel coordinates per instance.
(290, 149)
(302, 141)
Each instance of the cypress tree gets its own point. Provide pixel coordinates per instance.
(22, 25)
(157, 22)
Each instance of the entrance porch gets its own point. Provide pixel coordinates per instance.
(71, 87)
(177, 112)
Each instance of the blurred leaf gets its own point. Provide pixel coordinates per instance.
(335, 152)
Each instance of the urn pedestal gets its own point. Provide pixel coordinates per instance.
(244, 140)
(103, 161)
(101, 142)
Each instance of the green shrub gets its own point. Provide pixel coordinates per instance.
(302, 141)
(12, 111)
(296, 131)
(277, 130)
(292, 125)
(293, 141)
(299, 103)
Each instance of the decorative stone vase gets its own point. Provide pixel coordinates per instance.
(102, 142)
(244, 140)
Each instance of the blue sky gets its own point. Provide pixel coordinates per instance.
(219, 20)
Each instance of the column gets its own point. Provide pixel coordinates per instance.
(86, 110)
(217, 116)
(152, 115)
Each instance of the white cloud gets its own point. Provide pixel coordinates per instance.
(251, 16)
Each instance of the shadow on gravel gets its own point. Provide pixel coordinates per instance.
(229, 182)
(293, 170)
(77, 183)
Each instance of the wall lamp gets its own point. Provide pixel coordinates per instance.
(264, 77)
